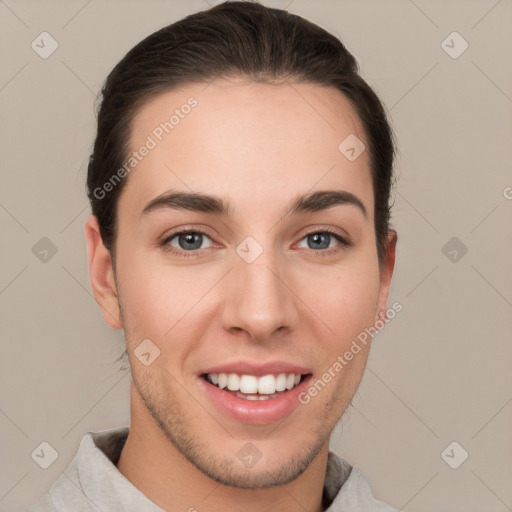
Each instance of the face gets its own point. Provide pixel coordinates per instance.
(255, 289)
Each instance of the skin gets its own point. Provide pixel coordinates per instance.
(257, 146)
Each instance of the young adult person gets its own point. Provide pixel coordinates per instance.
(239, 236)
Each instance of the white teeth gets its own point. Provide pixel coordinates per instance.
(267, 386)
(223, 380)
(247, 397)
(248, 384)
(233, 382)
(252, 397)
(281, 382)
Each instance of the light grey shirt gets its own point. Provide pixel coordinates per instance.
(92, 482)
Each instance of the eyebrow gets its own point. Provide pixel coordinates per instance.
(198, 202)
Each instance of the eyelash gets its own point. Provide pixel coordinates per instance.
(344, 243)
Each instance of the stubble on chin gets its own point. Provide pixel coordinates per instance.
(179, 427)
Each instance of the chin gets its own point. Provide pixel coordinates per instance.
(259, 473)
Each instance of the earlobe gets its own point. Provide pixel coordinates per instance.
(386, 272)
(102, 274)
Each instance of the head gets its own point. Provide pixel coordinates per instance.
(234, 231)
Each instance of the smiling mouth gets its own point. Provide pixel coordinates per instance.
(251, 387)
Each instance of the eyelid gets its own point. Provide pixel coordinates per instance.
(344, 240)
(184, 230)
(344, 237)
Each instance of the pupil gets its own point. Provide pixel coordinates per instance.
(190, 241)
(321, 240)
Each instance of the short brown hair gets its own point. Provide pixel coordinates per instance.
(235, 38)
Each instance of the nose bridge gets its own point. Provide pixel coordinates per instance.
(260, 302)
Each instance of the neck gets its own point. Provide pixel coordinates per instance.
(158, 469)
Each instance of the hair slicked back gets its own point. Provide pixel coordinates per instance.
(235, 38)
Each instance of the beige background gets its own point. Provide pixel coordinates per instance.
(439, 372)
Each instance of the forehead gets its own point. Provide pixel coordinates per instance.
(248, 141)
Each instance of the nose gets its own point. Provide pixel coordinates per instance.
(259, 298)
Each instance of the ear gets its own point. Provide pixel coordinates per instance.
(386, 272)
(102, 274)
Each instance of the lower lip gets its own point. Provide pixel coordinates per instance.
(255, 412)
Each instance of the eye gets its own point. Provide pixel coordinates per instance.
(188, 243)
(188, 240)
(321, 240)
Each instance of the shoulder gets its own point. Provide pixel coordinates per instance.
(44, 504)
(90, 473)
(350, 488)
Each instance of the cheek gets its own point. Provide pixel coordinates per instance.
(343, 298)
(158, 299)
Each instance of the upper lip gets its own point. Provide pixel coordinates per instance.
(257, 369)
